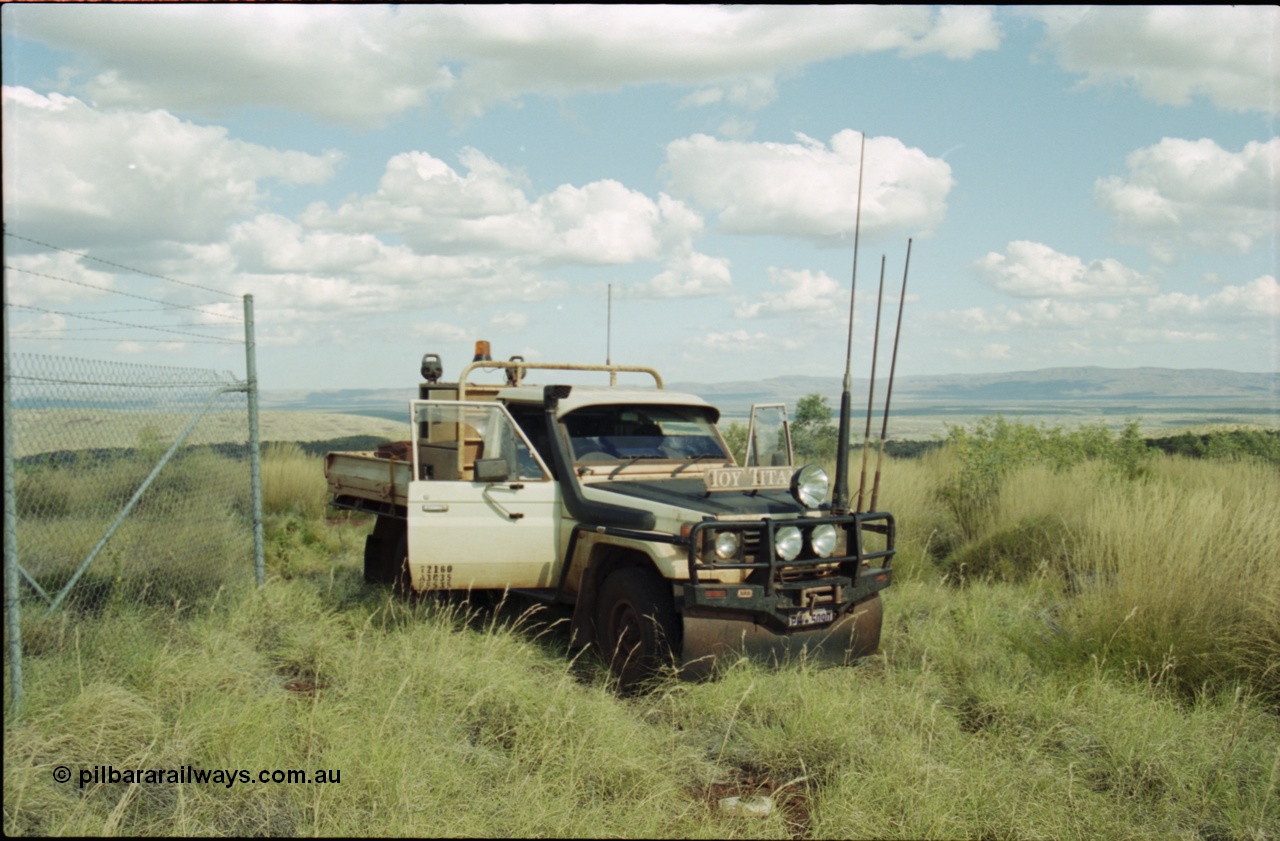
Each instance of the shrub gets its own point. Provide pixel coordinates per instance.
(735, 436)
(42, 493)
(994, 448)
(1042, 545)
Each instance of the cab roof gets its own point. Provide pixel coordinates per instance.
(595, 395)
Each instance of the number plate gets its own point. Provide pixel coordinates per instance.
(818, 616)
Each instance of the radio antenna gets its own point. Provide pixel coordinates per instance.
(893, 363)
(840, 495)
(871, 392)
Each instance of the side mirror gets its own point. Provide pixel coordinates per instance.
(492, 470)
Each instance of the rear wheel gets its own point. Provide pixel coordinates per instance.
(402, 584)
(637, 627)
(379, 548)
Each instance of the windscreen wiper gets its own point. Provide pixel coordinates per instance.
(630, 461)
(694, 460)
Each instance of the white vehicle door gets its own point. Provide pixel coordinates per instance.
(483, 510)
(768, 436)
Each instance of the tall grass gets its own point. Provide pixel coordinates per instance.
(1182, 573)
(448, 721)
(1096, 659)
(184, 537)
(292, 481)
(1162, 565)
(442, 722)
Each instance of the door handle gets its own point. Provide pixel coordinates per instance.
(435, 508)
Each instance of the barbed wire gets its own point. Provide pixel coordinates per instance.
(29, 367)
(53, 381)
(31, 337)
(119, 266)
(92, 329)
(207, 339)
(165, 304)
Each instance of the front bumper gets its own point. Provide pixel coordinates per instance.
(723, 635)
(794, 597)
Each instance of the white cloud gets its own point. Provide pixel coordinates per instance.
(1045, 331)
(809, 190)
(439, 331)
(328, 275)
(53, 278)
(801, 291)
(1033, 270)
(366, 64)
(1260, 296)
(1165, 336)
(1044, 314)
(732, 53)
(47, 325)
(510, 320)
(340, 63)
(1194, 192)
(690, 276)
(1173, 53)
(133, 176)
(995, 351)
(439, 210)
(742, 344)
(958, 32)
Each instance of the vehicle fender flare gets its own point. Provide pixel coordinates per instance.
(603, 560)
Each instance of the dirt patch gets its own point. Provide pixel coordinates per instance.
(758, 794)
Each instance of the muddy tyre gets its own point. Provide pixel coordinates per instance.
(401, 583)
(637, 627)
(380, 561)
(377, 562)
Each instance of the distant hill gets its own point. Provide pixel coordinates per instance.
(923, 405)
(1069, 385)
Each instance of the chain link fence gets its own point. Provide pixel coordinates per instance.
(131, 487)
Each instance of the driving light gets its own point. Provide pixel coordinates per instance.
(809, 485)
(787, 542)
(726, 544)
(824, 540)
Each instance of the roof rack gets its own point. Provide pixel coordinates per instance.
(521, 366)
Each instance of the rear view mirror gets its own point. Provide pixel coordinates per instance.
(492, 470)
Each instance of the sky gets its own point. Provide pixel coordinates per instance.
(1081, 186)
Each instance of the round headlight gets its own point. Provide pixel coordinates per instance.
(809, 485)
(788, 541)
(726, 544)
(824, 540)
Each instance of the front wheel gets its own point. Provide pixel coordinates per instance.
(637, 627)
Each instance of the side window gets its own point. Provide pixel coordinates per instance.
(533, 423)
(452, 436)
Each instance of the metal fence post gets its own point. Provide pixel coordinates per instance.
(255, 445)
(12, 584)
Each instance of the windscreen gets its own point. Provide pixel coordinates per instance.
(614, 433)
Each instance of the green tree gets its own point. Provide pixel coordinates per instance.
(814, 435)
(735, 435)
